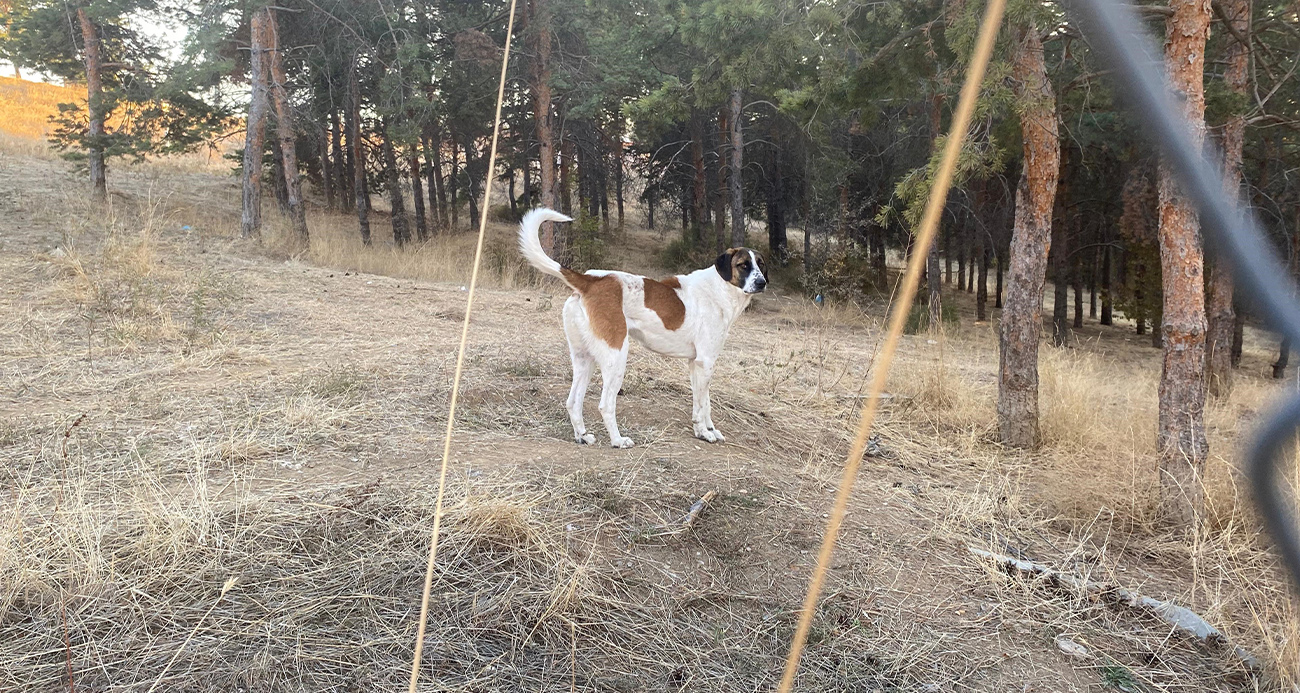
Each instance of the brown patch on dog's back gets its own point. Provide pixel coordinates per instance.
(663, 300)
(602, 298)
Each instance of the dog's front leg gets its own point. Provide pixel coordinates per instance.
(701, 411)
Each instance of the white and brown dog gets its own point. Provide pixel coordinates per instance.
(687, 316)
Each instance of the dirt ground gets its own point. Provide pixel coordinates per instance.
(180, 407)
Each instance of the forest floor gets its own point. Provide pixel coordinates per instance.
(218, 461)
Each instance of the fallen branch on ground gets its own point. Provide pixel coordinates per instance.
(1183, 620)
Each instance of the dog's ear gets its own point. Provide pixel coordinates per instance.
(723, 265)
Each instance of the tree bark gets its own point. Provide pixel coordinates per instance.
(401, 223)
(566, 164)
(453, 182)
(540, 82)
(1107, 300)
(981, 251)
(720, 190)
(339, 169)
(255, 130)
(326, 180)
(1181, 437)
(285, 131)
(1030, 243)
(618, 173)
(777, 242)
(1220, 316)
(94, 103)
(358, 155)
(698, 202)
(433, 178)
(1238, 336)
(1058, 256)
(472, 178)
(417, 195)
(1283, 357)
(934, 283)
(738, 235)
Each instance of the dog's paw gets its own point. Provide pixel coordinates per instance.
(586, 439)
(710, 435)
(621, 442)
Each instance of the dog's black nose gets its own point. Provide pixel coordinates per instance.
(760, 284)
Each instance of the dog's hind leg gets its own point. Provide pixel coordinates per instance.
(576, 326)
(583, 364)
(613, 365)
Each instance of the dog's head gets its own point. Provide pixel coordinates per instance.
(742, 268)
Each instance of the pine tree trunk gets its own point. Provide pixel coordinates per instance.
(358, 150)
(650, 207)
(720, 189)
(1181, 437)
(342, 185)
(997, 288)
(1283, 356)
(947, 256)
(94, 103)
(1092, 286)
(1057, 257)
(1218, 363)
(255, 130)
(1030, 243)
(401, 223)
(540, 82)
(934, 285)
(618, 174)
(566, 187)
(433, 177)
(777, 242)
(453, 182)
(1238, 336)
(417, 195)
(697, 184)
(326, 180)
(960, 230)
(472, 178)
(738, 234)
(277, 173)
(284, 129)
(1107, 301)
(981, 252)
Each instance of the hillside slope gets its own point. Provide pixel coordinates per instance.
(180, 409)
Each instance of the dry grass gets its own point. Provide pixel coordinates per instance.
(251, 415)
(26, 107)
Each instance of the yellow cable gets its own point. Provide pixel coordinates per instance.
(460, 361)
(897, 317)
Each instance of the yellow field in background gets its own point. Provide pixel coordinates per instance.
(26, 107)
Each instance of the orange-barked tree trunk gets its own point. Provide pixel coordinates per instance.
(255, 125)
(1218, 345)
(94, 102)
(540, 77)
(1180, 438)
(284, 130)
(1030, 242)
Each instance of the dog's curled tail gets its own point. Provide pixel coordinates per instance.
(531, 246)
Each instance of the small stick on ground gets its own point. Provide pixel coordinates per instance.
(696, 508)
